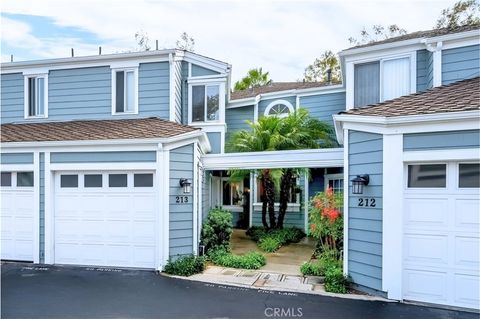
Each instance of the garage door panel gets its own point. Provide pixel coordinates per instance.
(467, 251)
(425, 285)
(426, 249)
(467, 213)
(467, 290)
(425, 212)
(110, 226)
(23, 226)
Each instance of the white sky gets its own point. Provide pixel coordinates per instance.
(283, 37)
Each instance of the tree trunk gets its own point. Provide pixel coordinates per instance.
(264, 202)
(285, 189)
(270, 197)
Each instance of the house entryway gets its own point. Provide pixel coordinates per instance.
(287, 260)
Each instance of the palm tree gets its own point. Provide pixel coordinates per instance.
(262, 136)
(299, 131)
(254, 78)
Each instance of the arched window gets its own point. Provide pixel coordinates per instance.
(279, 108)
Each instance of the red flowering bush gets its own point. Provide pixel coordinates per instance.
(326, 219)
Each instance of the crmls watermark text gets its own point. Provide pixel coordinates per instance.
(283, 312)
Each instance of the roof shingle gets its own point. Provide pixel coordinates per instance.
(456, 97)
(92, 130)
(419, 34)
(276, 87)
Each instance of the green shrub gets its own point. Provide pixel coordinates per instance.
(313, 268)
(251, 260)
(269, 244)
(272, 240)
(217, 229)
(185, 266)
(335, 280)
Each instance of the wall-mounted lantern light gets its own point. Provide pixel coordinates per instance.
(186, 184)
(358, 183)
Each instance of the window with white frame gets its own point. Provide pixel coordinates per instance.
(294, 194)
(279, 108)
(231, 193)
(382, 80)
(205, 103)
(334, 181)
(124, 91)
(36, 96)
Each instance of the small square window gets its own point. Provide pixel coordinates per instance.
(143, 180)
(69, 181)
(93, 180)
(117, 180)
(6, 179)
(427, 176)
(469, 175)
(24, 179)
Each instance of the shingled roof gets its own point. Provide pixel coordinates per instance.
(276, 87)
(456, 97)
(92, 130)
(419, 34)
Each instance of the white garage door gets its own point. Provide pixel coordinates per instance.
(17, 211)
(441, 244)
(105, 219)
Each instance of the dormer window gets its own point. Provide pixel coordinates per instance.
(280, 108)
(205, 103)
(36, 96)
(382, 80)
(125, 91)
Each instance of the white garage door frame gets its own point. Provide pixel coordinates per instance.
(14, 168)
(161, 174)
(117, 244)
(440, 251)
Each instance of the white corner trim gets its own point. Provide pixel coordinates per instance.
(36, 208)
(437, 65)
(346, 190)
(172, 81)
(48, 213)
(196, 194)
(281, 102)
(306, 202)
(392, 212)
(135, 89)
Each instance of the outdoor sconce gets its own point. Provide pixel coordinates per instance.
(186, 184)
(358, 183)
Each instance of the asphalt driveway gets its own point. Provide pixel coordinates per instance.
(31, 291)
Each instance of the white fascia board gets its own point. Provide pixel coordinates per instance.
(452, 121)
(418, 42)
(281, 94)
(332, 157)
(114, 142)
(206, 62)
(87, 61)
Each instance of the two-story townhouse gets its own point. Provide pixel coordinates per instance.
(97, 167)
(116, 159)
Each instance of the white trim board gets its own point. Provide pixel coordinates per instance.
(332, 157)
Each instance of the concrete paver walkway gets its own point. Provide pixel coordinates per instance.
(287, 260)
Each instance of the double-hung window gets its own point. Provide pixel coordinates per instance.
(124, 88)
(382, 80)
(36, 96)
(205, 103)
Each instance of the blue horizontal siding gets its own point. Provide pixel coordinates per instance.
(236, 119)
(441, 140)
(16, 158)
(201, 71)
(181, 215)
(324, 106)
(365, 224)
(12, 102)
(424, 70)
(460, 63)
(103, 157)
(215, 139)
